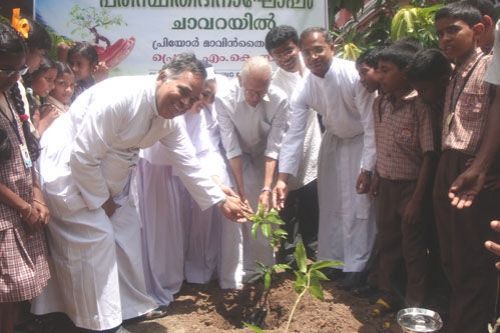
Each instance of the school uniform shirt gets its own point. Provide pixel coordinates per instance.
(466, 105)
(403, 134)
(87, 157)
(346, 224)
(493, 72)
(308, 168)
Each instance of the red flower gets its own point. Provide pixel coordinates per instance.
(24, 117)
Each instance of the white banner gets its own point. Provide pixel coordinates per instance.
(139, 36)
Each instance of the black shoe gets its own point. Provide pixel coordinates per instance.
(332, 273)
(351, 280)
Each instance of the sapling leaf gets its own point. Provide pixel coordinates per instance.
(280, 233)
(315, 289)
(262, 267)
(255, 226)
(319, 275)
(325, 264)
(266, 229)
(267, 280)
(254, 328)
(281, 266)
(261, 211)
(300, 282)
(300, 257)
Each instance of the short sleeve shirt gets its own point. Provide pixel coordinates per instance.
(403, 134)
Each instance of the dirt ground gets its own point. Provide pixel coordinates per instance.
(205, 308)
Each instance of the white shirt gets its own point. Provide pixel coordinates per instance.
(203, 130)
(254, 131)
(346, 108)
(97, 143)
(308, 168)
(493, 72)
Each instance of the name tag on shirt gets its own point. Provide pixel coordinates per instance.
(26, 156)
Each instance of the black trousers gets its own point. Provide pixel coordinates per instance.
(301, 215)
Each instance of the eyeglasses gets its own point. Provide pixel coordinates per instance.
(13, 72)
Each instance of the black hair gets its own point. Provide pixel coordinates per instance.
(279, 35)
(38, 37)
(45, 65)
(428, 65)
(86, 50)
(62, 68)
(461, 11)
(182, 63)
(400, 53)
(325, 33)
(10, 41)
(485, 7)
(369, 57)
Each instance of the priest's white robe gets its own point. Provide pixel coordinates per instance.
(347, 226)
(253, 133)
(87, 156)
(214, 245)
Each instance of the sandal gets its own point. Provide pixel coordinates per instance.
(380, 308)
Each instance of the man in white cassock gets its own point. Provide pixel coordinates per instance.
(347, 154)
(85, 168)
(253, 116)
(213, 245)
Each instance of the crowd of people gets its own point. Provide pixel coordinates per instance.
(116, 191)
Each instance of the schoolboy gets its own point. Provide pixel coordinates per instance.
(366, 64)
(429, 73)
(488, 18)
(469, 268)
(405, 147)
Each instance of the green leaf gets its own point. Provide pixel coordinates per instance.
(254, 328)
(281, 266)
(255, 226)
(280, 232)
(261, 211)
(300, 282)
(325, 264)
(319, 275)
(315, 289)
(267, 280)
(266, 229)
(300, 257)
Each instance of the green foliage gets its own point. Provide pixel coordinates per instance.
(268, 223)
(416, 22)
(308, 278)
(353, 6)
(90, 18)
(254, 328)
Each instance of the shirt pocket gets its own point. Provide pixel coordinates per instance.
(472, 100)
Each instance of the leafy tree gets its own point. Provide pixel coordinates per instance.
(88, 19)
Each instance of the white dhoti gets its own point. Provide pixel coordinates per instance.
(97, 278)
(346, 224)
(254, 250)
(160, 197)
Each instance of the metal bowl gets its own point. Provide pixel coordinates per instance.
(418, 320)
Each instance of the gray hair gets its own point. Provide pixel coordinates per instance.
(256, 66)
